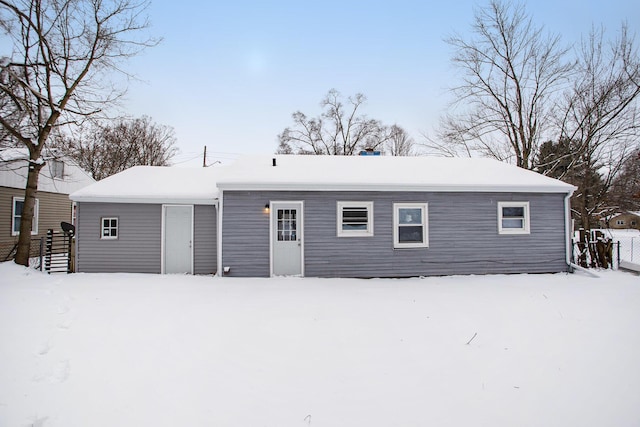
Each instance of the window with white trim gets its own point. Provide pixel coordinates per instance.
(355, 219)
(16, 215)
(513, 218)
(410, 225)
(109, 228)
(620, 222)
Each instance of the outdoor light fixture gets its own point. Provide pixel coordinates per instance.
(266, 208)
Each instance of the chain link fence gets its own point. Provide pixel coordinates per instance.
(36, 252)
(606, 248)
(630, 249)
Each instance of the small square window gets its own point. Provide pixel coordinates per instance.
(513, 218)
(109, 228)
(620, 222)
(410, 226)
(355, 219)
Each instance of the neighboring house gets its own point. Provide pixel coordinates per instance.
(58, 178)
(623, 220)
(327, 216)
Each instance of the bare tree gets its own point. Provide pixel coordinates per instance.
(63, 54)
(340, 129)
(9, 110)
(106, 149)
(624, 193)
(601, 117)
(557, 160)
(510, 71)
(399, 142)
(519, 88)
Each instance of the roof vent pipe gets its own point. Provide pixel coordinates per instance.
(274, 161)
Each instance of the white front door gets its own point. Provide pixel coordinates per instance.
(177, 239)
(286, 239)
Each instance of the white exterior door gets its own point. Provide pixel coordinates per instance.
(178, 239)
(286, 239)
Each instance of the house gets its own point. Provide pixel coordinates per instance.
(327, 216)
(623, 220)
(59, 177)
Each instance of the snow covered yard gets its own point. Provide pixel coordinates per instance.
(148, 350)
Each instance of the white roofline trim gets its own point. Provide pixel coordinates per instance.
(396, 187)
(146, 201)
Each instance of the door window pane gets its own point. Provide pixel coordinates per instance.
(287, 225)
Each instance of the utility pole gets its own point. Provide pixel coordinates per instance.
(204, 158)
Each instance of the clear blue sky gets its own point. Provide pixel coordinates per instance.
(228, 74)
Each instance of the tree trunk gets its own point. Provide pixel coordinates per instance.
(26, 220)
(584, 210)
(585, 219)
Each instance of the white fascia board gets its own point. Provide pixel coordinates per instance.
(394, 187)
(156, 201)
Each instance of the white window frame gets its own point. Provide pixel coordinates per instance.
(424, 221)
(526, 227)
(15, 225)
(354, 233)
(102, 227)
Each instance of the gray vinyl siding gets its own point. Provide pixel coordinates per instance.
(245, 233)
(137, 248)
(463, 235)
(205, 245)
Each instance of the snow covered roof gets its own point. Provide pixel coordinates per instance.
(12, 154)
(384, 173)
(13, 171)
(154, 184)
(617, 214)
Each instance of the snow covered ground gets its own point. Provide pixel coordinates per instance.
(149, 350)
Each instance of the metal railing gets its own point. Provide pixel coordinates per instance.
(57, 256)
(53, 253)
